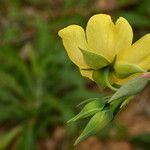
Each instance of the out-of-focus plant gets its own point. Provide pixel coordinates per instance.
(35, 90)
(106, 55)
(38, 86)
(141, 140)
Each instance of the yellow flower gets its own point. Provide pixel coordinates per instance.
(134, 59)
(105, 43)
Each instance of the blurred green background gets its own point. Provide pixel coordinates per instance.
(40, 87)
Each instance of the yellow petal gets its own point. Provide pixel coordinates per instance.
(124, 34)
(74, 38)
(122, 81)
(100, 36)
(138, 53)
(87, 73)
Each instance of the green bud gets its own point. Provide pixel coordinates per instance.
(96, 123)
(92, 99)
(89, 109)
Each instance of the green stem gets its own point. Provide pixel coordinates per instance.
(126, 101)
(115, 105)
(107, 80)
(118, 104)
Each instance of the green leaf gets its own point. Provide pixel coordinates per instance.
(8, 81)
(5, 139)
(44, 36)
(130, 88)
(11, 112)
(14, 60)
(96, 123)
(93, 60)
(141, 140)
(135, 18)
(27, 140)
(89, 109)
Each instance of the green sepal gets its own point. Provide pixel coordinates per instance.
(89, 109)
(125, 70)
(99, 77)
(88, 100)
(130, 88)
(93, 60)
(103, 78)
(126, 101)
(96, 123)
(101, 99)
(7, 138)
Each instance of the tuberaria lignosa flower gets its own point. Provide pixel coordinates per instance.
(106, 44)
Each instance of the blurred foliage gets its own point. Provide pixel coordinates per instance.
(39, 86)
(142, 140)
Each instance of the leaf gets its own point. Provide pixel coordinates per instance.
(96, 123)
(89, 109)
(43, 36)
(7, 96)
(93, 60)
(8, 81)
(27, 140)
(130, 88)
(11, 111)
(135, 18)
(6, 138)
(13, 59)
(141, 140)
